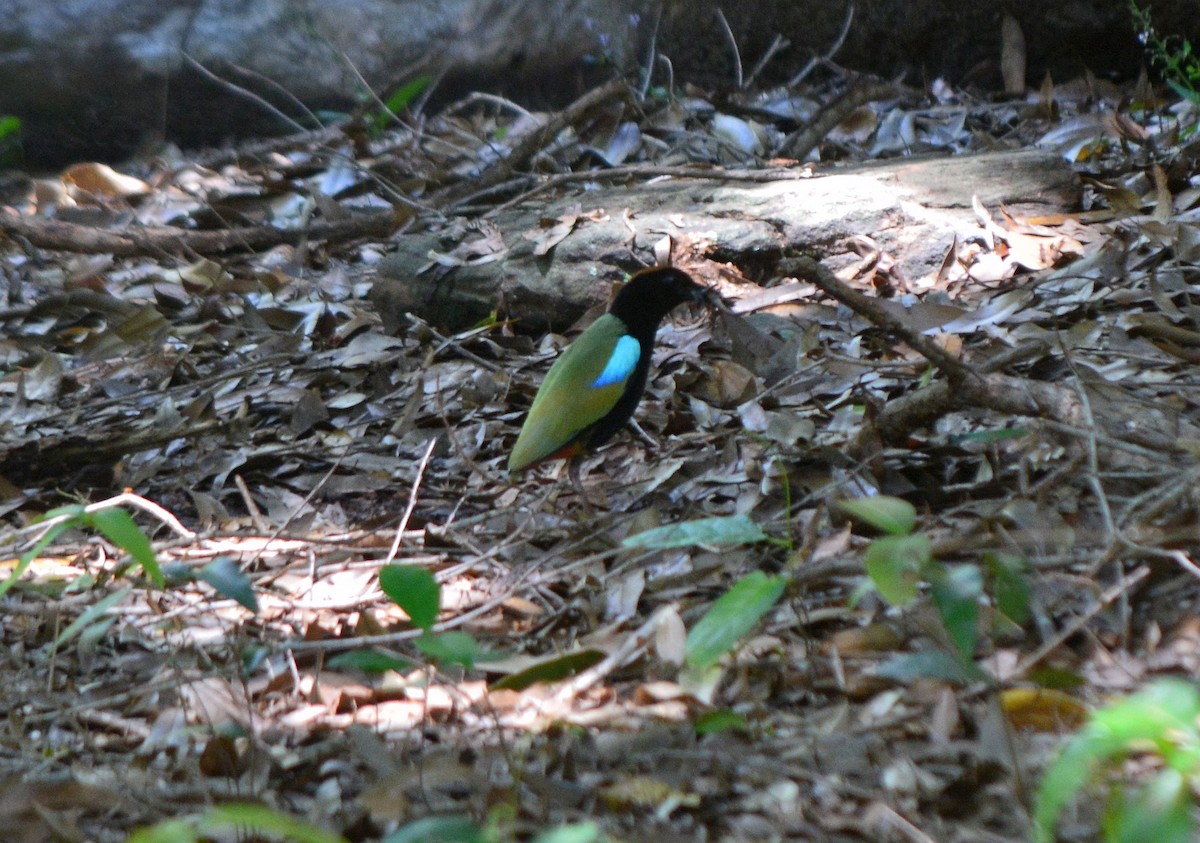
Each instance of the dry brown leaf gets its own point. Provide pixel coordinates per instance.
(102, 180)
(1043, 710)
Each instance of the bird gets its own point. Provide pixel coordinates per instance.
(594, 386)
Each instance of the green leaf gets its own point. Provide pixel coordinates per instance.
(895, 564)
(584, 832)
(167, 831)
(10, 127)
(931, 664)
(92, 614)
(1056, 678)
(1011, 587)
(1066, 777)
(732, 615)
(438, 830)
(721, 531)
(452, 647)
(406, 93)
(75, 513)
(956, 595)
(248, 820)
(550, 670)
(1159, 714)
(894, 516)
(414, 590)
(1162, 715)
(28, 556)
(721, 720)
(988, 436)
(252, 656)
(1160, 811)
(92, 635)
(228, 580)
(397, 102)
(370, 661)
(118, 526)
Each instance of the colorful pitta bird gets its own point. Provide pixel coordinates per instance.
(594, 386)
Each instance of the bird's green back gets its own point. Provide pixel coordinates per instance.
(566, 403)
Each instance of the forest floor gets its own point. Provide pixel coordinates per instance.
(191, 341)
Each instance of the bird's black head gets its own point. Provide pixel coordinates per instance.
(650, 295)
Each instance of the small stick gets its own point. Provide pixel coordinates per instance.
(412, 501)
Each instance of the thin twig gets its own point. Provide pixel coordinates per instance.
(829, 54)
(778, 44)
(733, 46)
(251, 507)
(881, 817)
(651, 53)
(818, 274)
(1110, 594)
(481, 96)
(125, 498)
(634, 644)
(244, 93)
(803, 141)
(412, 501)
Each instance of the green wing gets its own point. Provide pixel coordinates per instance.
(566, 404)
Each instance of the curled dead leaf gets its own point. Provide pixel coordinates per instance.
(1042, 709)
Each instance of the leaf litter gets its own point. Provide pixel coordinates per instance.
(247, 387)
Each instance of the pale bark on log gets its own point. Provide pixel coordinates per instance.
(913, 209)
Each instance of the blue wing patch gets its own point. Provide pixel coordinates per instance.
(621, 363)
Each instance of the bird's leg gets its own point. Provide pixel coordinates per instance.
(575, 473)
(651, 445)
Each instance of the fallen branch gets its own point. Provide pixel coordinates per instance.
(529, 145)
(984, 387)
(158, 240)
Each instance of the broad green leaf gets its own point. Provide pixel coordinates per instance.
(406, 93)
(247, 819)
(721, 531)
(894, 516)
(956, 595)
(584, 832)
(178, 573)
(994, 435)
(252, 657)
(92, 614)
(550, 670)
(28, 556)
(1160, 811)
(452, 647)
(92, 635)
(414, 590)
(9, 126)
(370, 661)
(224, 575)
(1159, 713)
(73, 512)
(1010, 579)
(1066, 777)
(930, 664)
(118, 526)
(895, 564)
(721, 720)
(167, 831)
(732, 615)
(1056, 678)
(1162, 715)
(438, 830)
